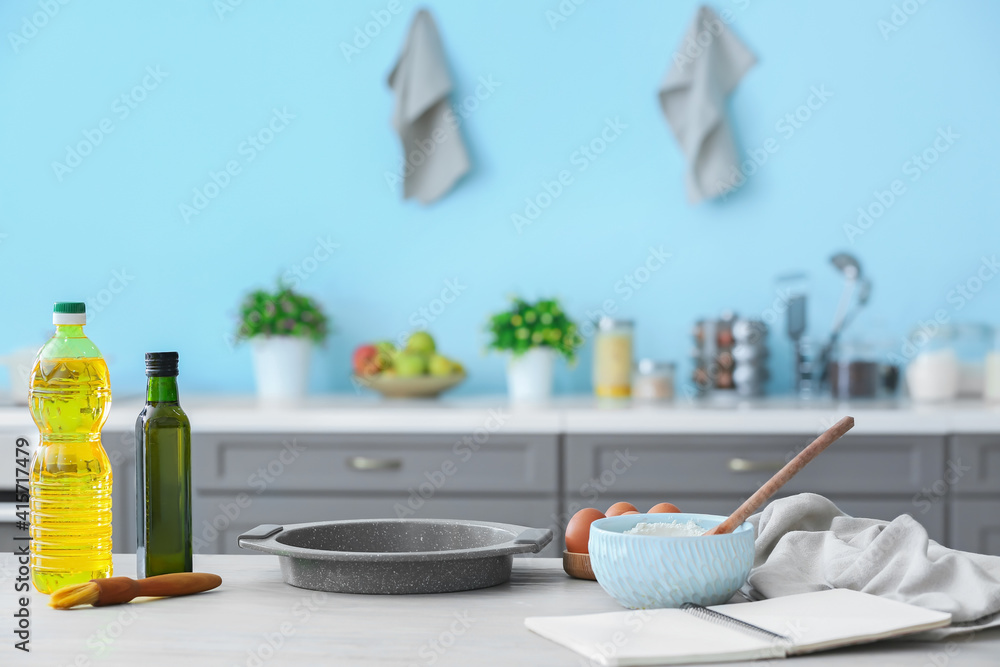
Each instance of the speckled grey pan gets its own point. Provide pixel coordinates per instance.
(395, 556)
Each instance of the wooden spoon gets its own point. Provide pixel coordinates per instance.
(791, 468)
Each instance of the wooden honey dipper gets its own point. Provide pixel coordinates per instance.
(791, 468)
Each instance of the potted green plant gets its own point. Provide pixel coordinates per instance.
(533, 334)
(282, 326)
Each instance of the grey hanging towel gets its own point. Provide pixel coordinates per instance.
(707, 66)
(433, 151)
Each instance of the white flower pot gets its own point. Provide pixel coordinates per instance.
(281, 367)
(529, 376)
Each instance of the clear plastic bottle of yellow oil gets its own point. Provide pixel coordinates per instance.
(70, 472)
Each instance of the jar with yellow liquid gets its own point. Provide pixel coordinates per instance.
(613, 358)
(69, 398)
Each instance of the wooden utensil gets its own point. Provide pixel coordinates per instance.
(118, 590)
(791, 468)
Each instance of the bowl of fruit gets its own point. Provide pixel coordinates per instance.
(418, 370)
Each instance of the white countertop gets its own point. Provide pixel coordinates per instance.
(570, 415)
(256, 619)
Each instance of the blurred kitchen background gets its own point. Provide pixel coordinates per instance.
(849, 93)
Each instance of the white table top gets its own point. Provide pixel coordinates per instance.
(569, 415)
(254, 610)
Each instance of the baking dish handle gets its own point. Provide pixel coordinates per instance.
(261, 532)
(536, 538)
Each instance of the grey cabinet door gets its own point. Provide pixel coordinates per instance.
(975, 525)
(120, 446)
(973, 464)
(932, 516)
(427, 465)
(669, 465)
(220, 518)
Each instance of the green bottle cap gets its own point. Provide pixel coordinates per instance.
(69, 307)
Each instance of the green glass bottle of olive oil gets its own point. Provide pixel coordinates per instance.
(163, 473)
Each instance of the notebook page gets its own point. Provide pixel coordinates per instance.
(837, 617)
(650, 637)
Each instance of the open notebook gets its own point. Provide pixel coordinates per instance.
(775, 628)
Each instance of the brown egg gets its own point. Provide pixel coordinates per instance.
(630, 512)
(664, 508)
(621, 508)
(578, 530)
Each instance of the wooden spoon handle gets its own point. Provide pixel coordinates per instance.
(772, 485)
(118, 590)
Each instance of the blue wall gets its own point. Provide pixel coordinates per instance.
(323, 176)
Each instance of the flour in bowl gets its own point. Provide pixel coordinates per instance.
(667, 529)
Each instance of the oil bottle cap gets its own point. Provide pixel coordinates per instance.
(161, 364)
(69, 312)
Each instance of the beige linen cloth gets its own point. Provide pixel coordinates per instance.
(434, 154)
(805, 543)
(707, 65)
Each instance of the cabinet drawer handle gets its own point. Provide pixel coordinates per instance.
(367, 464)
(746, 465)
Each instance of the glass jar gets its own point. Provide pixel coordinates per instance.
(854, 371)
(973, 342)
(613, 358)
(991, 389)
(653, 381)
(932, 374)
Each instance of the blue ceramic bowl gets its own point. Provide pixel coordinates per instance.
(648, 572)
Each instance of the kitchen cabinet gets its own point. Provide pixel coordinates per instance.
(242, 480)
(872, 475)
(950, 482)
(975, 525)
(971, 481)
(120, 446)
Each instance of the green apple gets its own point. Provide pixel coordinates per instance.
(410, 364)
(440, 365)
(421, 342)
(386, 353)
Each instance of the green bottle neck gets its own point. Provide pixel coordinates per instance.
(70, 331)
(161, 390)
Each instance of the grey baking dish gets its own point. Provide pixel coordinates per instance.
(395, 556)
